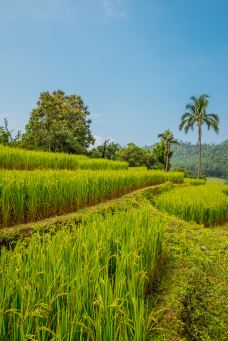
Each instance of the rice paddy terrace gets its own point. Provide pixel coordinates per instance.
(94, 250)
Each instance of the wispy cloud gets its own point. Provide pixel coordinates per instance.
(99, 140)
(96, 115)
(2, 116)
(113, 8)
(33, 9)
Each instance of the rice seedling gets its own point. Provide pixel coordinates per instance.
(27, 196)
(88, 284)
(15, 158)
(204, 204)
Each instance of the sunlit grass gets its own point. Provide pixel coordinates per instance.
(27, 196)
(204, 204)
(15, 158)
(88, 284)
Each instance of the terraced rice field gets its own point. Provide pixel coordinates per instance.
(14, 158)
(87, 284)
(33, 195)
(206, 204)
(96, 277)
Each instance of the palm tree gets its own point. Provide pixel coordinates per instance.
(168, 139)
(196, 114)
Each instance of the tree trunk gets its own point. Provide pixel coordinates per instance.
(200, 148)
(105, 148)
(167, 158)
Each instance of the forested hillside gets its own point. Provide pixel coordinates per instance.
(214, 158)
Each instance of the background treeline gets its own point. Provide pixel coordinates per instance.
(214, 158)
(61, 123)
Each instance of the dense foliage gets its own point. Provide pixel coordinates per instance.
(214, 158)
(59, 123)
(106, 150)
(135, 156)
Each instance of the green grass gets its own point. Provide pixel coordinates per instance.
(203, 204)
(15, 158)
(87, 284)
(214, 180)
(192, 290)
(33, 195)
(194, 182)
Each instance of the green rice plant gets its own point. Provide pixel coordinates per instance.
(204, 204)
(194, 182)
(15, 158)
(225, 189)
(88, 284)
(27, 196)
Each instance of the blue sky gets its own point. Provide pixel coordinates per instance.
(134, 62)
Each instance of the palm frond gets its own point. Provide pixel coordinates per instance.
(193, 98)
(205, 96)
(161, 136)
(174, 141)
(185, 115)
(191, 107)
(212, 121)
(214, 116)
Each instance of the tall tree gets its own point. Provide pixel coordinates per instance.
(168, 139)
(59, 123)
(196, 114)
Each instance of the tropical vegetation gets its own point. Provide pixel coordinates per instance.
(214, 159)
(196, 114)
(168, 139)
(97, 246)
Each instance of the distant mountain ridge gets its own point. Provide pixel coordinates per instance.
(214, 158)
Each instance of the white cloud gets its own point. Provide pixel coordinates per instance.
(100, 140)
(113, 8)
(96, 115)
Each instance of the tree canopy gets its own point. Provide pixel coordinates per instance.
(136, 156)
(59, 123)
(107, 150)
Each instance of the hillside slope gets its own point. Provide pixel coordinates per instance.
(214, 158)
